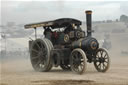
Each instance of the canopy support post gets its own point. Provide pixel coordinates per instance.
(35, 33)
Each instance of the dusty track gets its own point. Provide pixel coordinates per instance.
(20, 72)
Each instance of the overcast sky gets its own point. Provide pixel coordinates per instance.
(36, 11)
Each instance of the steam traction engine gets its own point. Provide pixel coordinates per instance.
(66, 45)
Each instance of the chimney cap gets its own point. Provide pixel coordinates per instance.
(88, 12)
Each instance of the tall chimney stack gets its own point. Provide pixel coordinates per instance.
(89, 22)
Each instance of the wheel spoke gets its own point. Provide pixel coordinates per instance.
(38, 45)
(105, 61)
(106, 58)
(42, 47)
(101, 52)
(74, 67)
(105, 55)
(44, 58)
(35, 50)
(43, 62)
(44, 52)
(77, 55)
(97, 55)
(74, 56)
(36, 57)
(104, 66)
(99, 64)
(36, 65)
(77, 68)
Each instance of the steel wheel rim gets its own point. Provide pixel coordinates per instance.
(50, 45)
(78, 62)
(102, 60)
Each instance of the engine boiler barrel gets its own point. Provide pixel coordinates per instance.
(89, 22)
(87, 44)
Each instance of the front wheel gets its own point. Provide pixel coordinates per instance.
(78, 61)
(102, 60)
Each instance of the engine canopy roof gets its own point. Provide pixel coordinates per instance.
(62, 22)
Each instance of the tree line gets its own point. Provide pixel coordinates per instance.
(124, 18)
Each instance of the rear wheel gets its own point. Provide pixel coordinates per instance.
(40, 55)
(78, 61)
(102, 61)
(50, 47)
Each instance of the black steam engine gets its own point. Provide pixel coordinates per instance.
(66, 45)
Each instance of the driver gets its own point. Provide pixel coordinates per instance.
(55, 35)
(48, 33)
(69, 28)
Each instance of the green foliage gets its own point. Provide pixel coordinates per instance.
(124, 18)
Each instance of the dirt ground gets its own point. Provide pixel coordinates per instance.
(20, 72)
